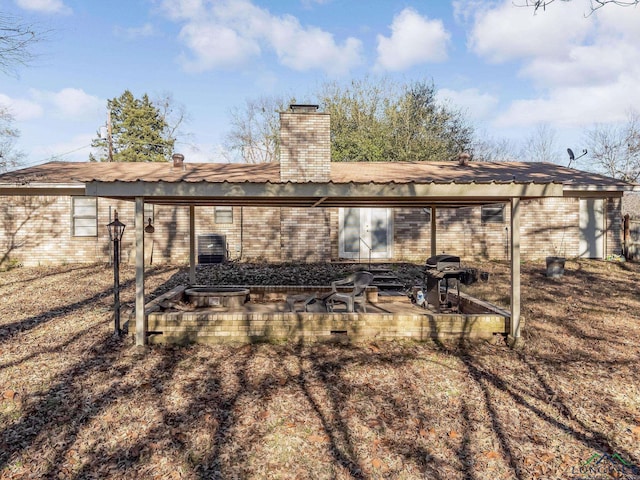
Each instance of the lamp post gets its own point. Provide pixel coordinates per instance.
(116, 230)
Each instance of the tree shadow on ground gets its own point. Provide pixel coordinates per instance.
(440, 409)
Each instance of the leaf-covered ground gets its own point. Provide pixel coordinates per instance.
(76, 403)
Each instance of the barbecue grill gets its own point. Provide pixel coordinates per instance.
(444, 274)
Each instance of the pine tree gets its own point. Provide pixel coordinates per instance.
(140, 133)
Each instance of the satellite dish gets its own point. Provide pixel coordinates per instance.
(572, 157)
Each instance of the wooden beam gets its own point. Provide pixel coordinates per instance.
(319, 201)
(293, 192)
(514, 332)
(192, 245)
(141, 318)
(434, 248)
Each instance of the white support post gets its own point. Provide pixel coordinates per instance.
(514, 332)
(434, 249)
(141, 318)
(192, 245)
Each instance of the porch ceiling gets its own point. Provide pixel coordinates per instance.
(321, 194)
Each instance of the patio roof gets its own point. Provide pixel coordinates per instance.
(390, 184)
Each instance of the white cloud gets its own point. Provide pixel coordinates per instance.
(585, 68)
(21, 109)
(133, 33)
(206, 42)
(76, 103)
(414, 40)
(311, 48)
(594, 64)
(184, 9)
(477, 105)
(230, 33)
(44, 6)
(70, 103)
(576, 105)
(507, 32)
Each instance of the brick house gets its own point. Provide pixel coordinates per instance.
(56, 213)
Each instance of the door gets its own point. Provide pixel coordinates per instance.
(366, 231)
(592, 228)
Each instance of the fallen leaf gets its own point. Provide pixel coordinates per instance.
(317, 438)
(376, 462)
(453, 434)
(9, 394)
(374, 423)
(636, 431)
(423, 432)
(492, 454)
(547, 457)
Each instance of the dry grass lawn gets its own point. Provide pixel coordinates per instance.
(76, 403)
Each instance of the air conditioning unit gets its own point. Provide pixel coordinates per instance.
(212, 248)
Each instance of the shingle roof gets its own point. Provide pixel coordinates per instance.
(341, 172)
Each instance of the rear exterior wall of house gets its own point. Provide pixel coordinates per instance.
(40, 230)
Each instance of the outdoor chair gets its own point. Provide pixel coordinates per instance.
(358, 294)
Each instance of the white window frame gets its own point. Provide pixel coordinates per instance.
(88, 216)
(223, 215)
(493, 213)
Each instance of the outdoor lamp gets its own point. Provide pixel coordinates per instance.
(116, 230)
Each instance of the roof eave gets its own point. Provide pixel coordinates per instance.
(334, 194)
(54, 189)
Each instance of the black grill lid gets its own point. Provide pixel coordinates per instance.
(444, 258)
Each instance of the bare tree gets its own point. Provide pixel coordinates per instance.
(489, 149)
(595, 4)
(174, 114)
(541, 145)
(16, 41)
(9, 156)
(615, 149)
(254, 133)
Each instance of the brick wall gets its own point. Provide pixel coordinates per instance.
(305, 146)
(306, 234)
(461, 231)
(37, 230)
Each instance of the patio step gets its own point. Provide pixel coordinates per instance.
(387, 283)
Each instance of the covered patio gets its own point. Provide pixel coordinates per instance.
(189, 187)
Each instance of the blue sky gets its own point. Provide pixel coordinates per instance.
(509, 69)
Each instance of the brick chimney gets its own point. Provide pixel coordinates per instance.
(305, 145)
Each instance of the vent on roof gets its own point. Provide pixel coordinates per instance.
(464, 158)
(178, 160)
(212, 248)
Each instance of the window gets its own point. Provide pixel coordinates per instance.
(223, 214)
(492, 213)
(85, 216)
